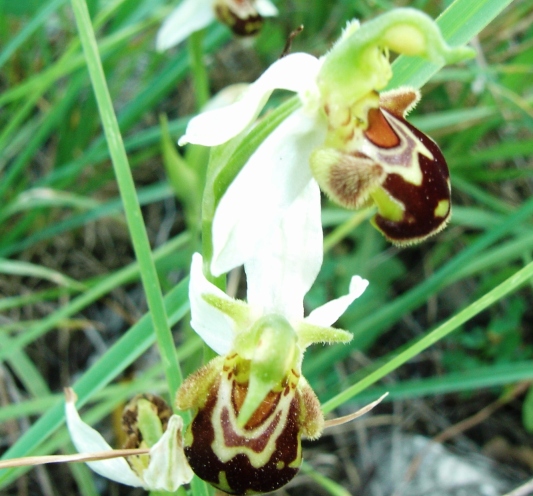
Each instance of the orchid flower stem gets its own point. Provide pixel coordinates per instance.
(198, 69)
(511, 284)
(129, 198)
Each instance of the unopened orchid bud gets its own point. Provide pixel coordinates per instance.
(148, 423)
(144, 420)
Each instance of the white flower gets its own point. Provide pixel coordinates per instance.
(168, 468)
(252, 404)
(353, 141)
(276, 174)
(270, 330)
(279, 274)
(244, 17)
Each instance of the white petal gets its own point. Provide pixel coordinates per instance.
(329, 313)
(226, 96)
(288, 260)
(168, 469)
(88, 440)
(266, 8)
(296, 72)
(212, 325)
(273, 178)
(188, 17)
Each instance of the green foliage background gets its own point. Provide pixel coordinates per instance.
(66, 245)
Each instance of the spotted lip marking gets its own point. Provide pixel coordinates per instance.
(421, 202)
(238, 475)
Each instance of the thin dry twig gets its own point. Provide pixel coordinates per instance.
(78, 457)
(522, 490)
(353, 416)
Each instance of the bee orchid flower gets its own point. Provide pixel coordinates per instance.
(243, 17)
(252, 403)
(348, 135)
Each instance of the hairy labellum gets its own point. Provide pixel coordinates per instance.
(265, 453)
(390, 163)
(240, 16)
(425, 203)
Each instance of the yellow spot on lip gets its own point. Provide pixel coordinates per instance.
(280, 465)
(442, 208)
(388, 207)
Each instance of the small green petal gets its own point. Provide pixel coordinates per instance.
(309, 334)
(237, 310)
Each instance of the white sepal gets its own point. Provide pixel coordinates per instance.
(288, 260)
(330, 312)
(295, 72)
(213, 326)
(88, 440)
(168, 469)
(188, 17)
(274, 176)
(266, 8)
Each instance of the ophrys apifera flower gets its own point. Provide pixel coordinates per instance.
(252, 403)
(243, 17)
(348, 135)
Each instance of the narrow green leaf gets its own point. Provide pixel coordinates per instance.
(132, 208)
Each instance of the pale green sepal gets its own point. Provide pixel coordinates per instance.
(275, 353)
(309, 334)
(358, 63)
(237, 310)
(148, 422)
